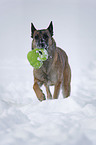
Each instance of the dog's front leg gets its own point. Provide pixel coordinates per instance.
(49, 96)
(57, 90)
(38, 91)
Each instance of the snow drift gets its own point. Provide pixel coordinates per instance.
(25, 120)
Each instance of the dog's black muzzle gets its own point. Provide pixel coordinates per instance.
(42, 45)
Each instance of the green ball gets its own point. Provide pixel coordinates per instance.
(43, 54)
(36, 56)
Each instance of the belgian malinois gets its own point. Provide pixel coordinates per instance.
(55, 70)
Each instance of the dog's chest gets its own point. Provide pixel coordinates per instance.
(46, 74)
(48, 78)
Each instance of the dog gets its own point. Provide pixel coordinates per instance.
(55, 70)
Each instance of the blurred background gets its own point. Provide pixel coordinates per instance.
(74, 31)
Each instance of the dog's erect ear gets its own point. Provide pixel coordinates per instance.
(32, 29)
(50, 28)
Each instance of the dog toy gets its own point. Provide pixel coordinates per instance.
(37, 56)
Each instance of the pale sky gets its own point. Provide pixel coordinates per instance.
(74, 26)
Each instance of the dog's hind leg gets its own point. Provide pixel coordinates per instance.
(38, 91)
(49, 96)
(66, 87)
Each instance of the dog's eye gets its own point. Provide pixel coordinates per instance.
(36, 37)
(45, 36)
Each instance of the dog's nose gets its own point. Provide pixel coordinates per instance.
(41, 40)
(42, 45)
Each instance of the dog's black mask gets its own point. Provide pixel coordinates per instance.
(41, 38)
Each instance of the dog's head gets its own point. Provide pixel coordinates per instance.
(42, 38)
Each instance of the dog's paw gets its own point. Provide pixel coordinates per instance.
(42, 97)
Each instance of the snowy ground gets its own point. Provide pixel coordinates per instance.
(23, 119)
(26, 121)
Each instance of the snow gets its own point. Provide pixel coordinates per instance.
(25, 120)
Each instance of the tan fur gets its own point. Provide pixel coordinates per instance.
(54, 71)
